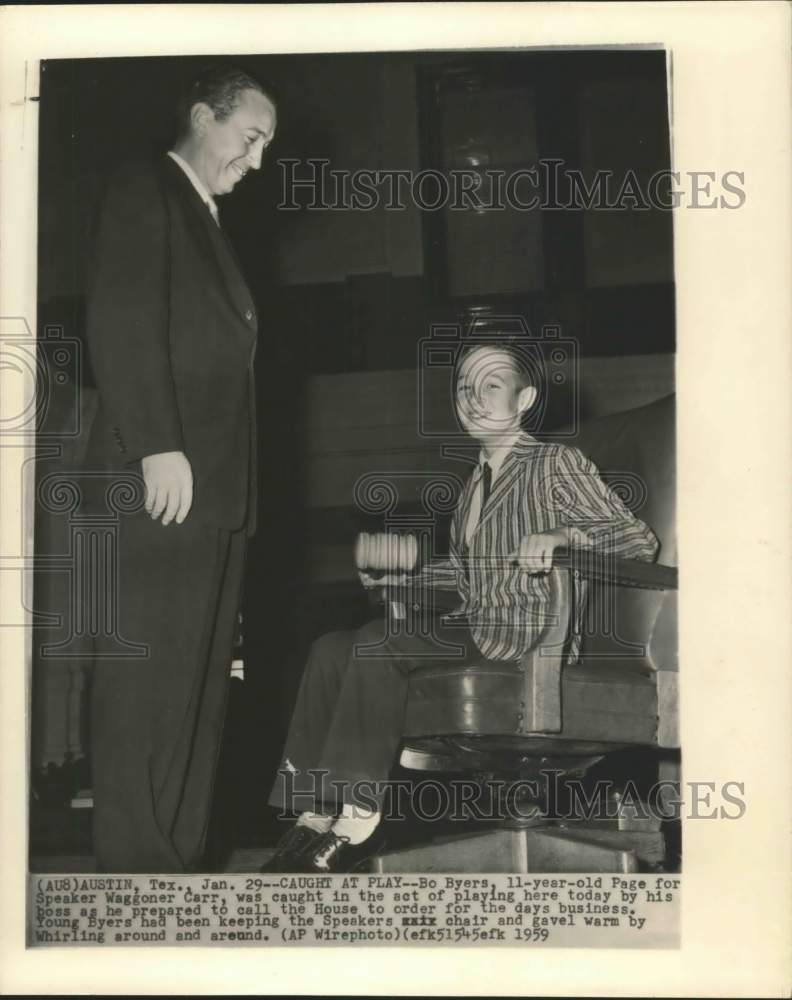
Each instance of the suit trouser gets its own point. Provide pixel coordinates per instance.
(156, 722)
(349, 715)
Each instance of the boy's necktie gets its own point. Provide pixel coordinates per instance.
(484, 494)
(486, 485)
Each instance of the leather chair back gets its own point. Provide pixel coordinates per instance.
(635, 452)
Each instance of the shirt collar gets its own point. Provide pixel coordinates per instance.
(196, 182)
(498, 456)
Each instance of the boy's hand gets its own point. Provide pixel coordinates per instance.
(535, 554)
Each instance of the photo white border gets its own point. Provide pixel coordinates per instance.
(731, 111)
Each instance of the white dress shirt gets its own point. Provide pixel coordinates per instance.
(495, 462)
(195, 180)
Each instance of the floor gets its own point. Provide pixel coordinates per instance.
(241, 838)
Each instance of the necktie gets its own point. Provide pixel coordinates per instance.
(475, 517)
(486, 484)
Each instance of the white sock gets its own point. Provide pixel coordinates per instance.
(315, 822)
(356, 823)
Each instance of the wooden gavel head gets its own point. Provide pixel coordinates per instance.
(382, 552)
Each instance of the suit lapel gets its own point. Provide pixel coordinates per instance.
(228, 263)
(221, 245)
(513, 467)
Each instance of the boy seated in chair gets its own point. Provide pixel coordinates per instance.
(523, 500)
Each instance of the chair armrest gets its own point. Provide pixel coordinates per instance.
(593, 566)
(541, 666)
(596, 567)
(605, 568)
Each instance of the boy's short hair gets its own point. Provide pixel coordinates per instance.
(526, 367)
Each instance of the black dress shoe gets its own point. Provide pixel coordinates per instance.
(287, 856)
(330, 853)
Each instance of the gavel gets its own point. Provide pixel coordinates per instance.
(381, 553)
(385, 553)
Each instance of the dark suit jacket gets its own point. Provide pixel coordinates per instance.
(172, 330)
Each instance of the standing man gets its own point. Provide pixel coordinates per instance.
(172, 333)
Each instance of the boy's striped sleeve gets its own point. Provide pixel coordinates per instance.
(587, 503)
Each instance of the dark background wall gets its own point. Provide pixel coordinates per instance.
(345, 297)
(604, 275)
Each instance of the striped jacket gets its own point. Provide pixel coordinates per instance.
(540, 487)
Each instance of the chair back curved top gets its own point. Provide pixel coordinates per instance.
(635, 452)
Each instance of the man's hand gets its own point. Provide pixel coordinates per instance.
(169, 485)
(535, 554)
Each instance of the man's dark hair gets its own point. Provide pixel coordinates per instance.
(219, 87)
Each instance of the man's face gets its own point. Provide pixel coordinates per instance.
(489, 398)
(229, 148)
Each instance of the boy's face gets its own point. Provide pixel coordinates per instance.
(489, 395)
